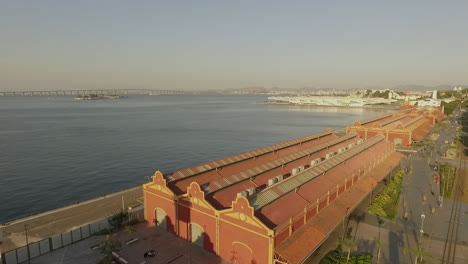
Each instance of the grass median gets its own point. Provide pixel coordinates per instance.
(337, 257)
(447, 180)
(385, 204)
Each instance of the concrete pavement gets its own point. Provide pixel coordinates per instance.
(57, 221)
(169, 249)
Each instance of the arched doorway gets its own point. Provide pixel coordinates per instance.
(197, 234)
(241, 253)
(398, 142)
(161, 218)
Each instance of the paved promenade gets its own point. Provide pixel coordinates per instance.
(60, 220)
(169, 249)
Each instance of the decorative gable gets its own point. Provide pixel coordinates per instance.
(197, 197)
(158, 184)
(242, 213)
(356, 123)
(399, 126)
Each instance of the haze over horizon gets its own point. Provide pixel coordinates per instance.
(219, 44)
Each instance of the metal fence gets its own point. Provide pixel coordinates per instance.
(38, 248)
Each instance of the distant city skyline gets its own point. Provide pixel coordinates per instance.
(218, 45)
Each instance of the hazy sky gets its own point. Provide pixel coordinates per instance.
(231, 44)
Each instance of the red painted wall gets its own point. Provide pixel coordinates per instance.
(298, 223)
(243, 238)
(168, 207)
(361, 132)
(281, 236)
(188, 215)
(312, 212)
(341, 190)
(371, 134)
(230, 235)
(405, 137)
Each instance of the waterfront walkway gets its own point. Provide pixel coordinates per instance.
(60, 220)
(169, 249)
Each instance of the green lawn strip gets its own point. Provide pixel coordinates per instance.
(335, 257)
(447, 180)
(386, 203)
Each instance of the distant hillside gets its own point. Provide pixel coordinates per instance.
(333, 91)
(423, 88)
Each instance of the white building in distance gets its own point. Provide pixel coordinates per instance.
(430, 101)
(331, 100)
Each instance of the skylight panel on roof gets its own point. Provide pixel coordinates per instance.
(287, 186)
(264, 198)
(271, 193)
(226, 180)
(217, 184)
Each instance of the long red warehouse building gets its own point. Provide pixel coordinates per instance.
(403, 128)
(248, 208)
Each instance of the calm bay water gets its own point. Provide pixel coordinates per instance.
(57, 151)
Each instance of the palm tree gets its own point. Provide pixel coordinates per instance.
(347, 245)
(378, 243)
(419, 253)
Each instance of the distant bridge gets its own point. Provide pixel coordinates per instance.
(97, 92)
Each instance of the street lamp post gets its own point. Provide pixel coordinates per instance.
(27, 242)
(423, 216)
(149, 178)
(344, 220)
